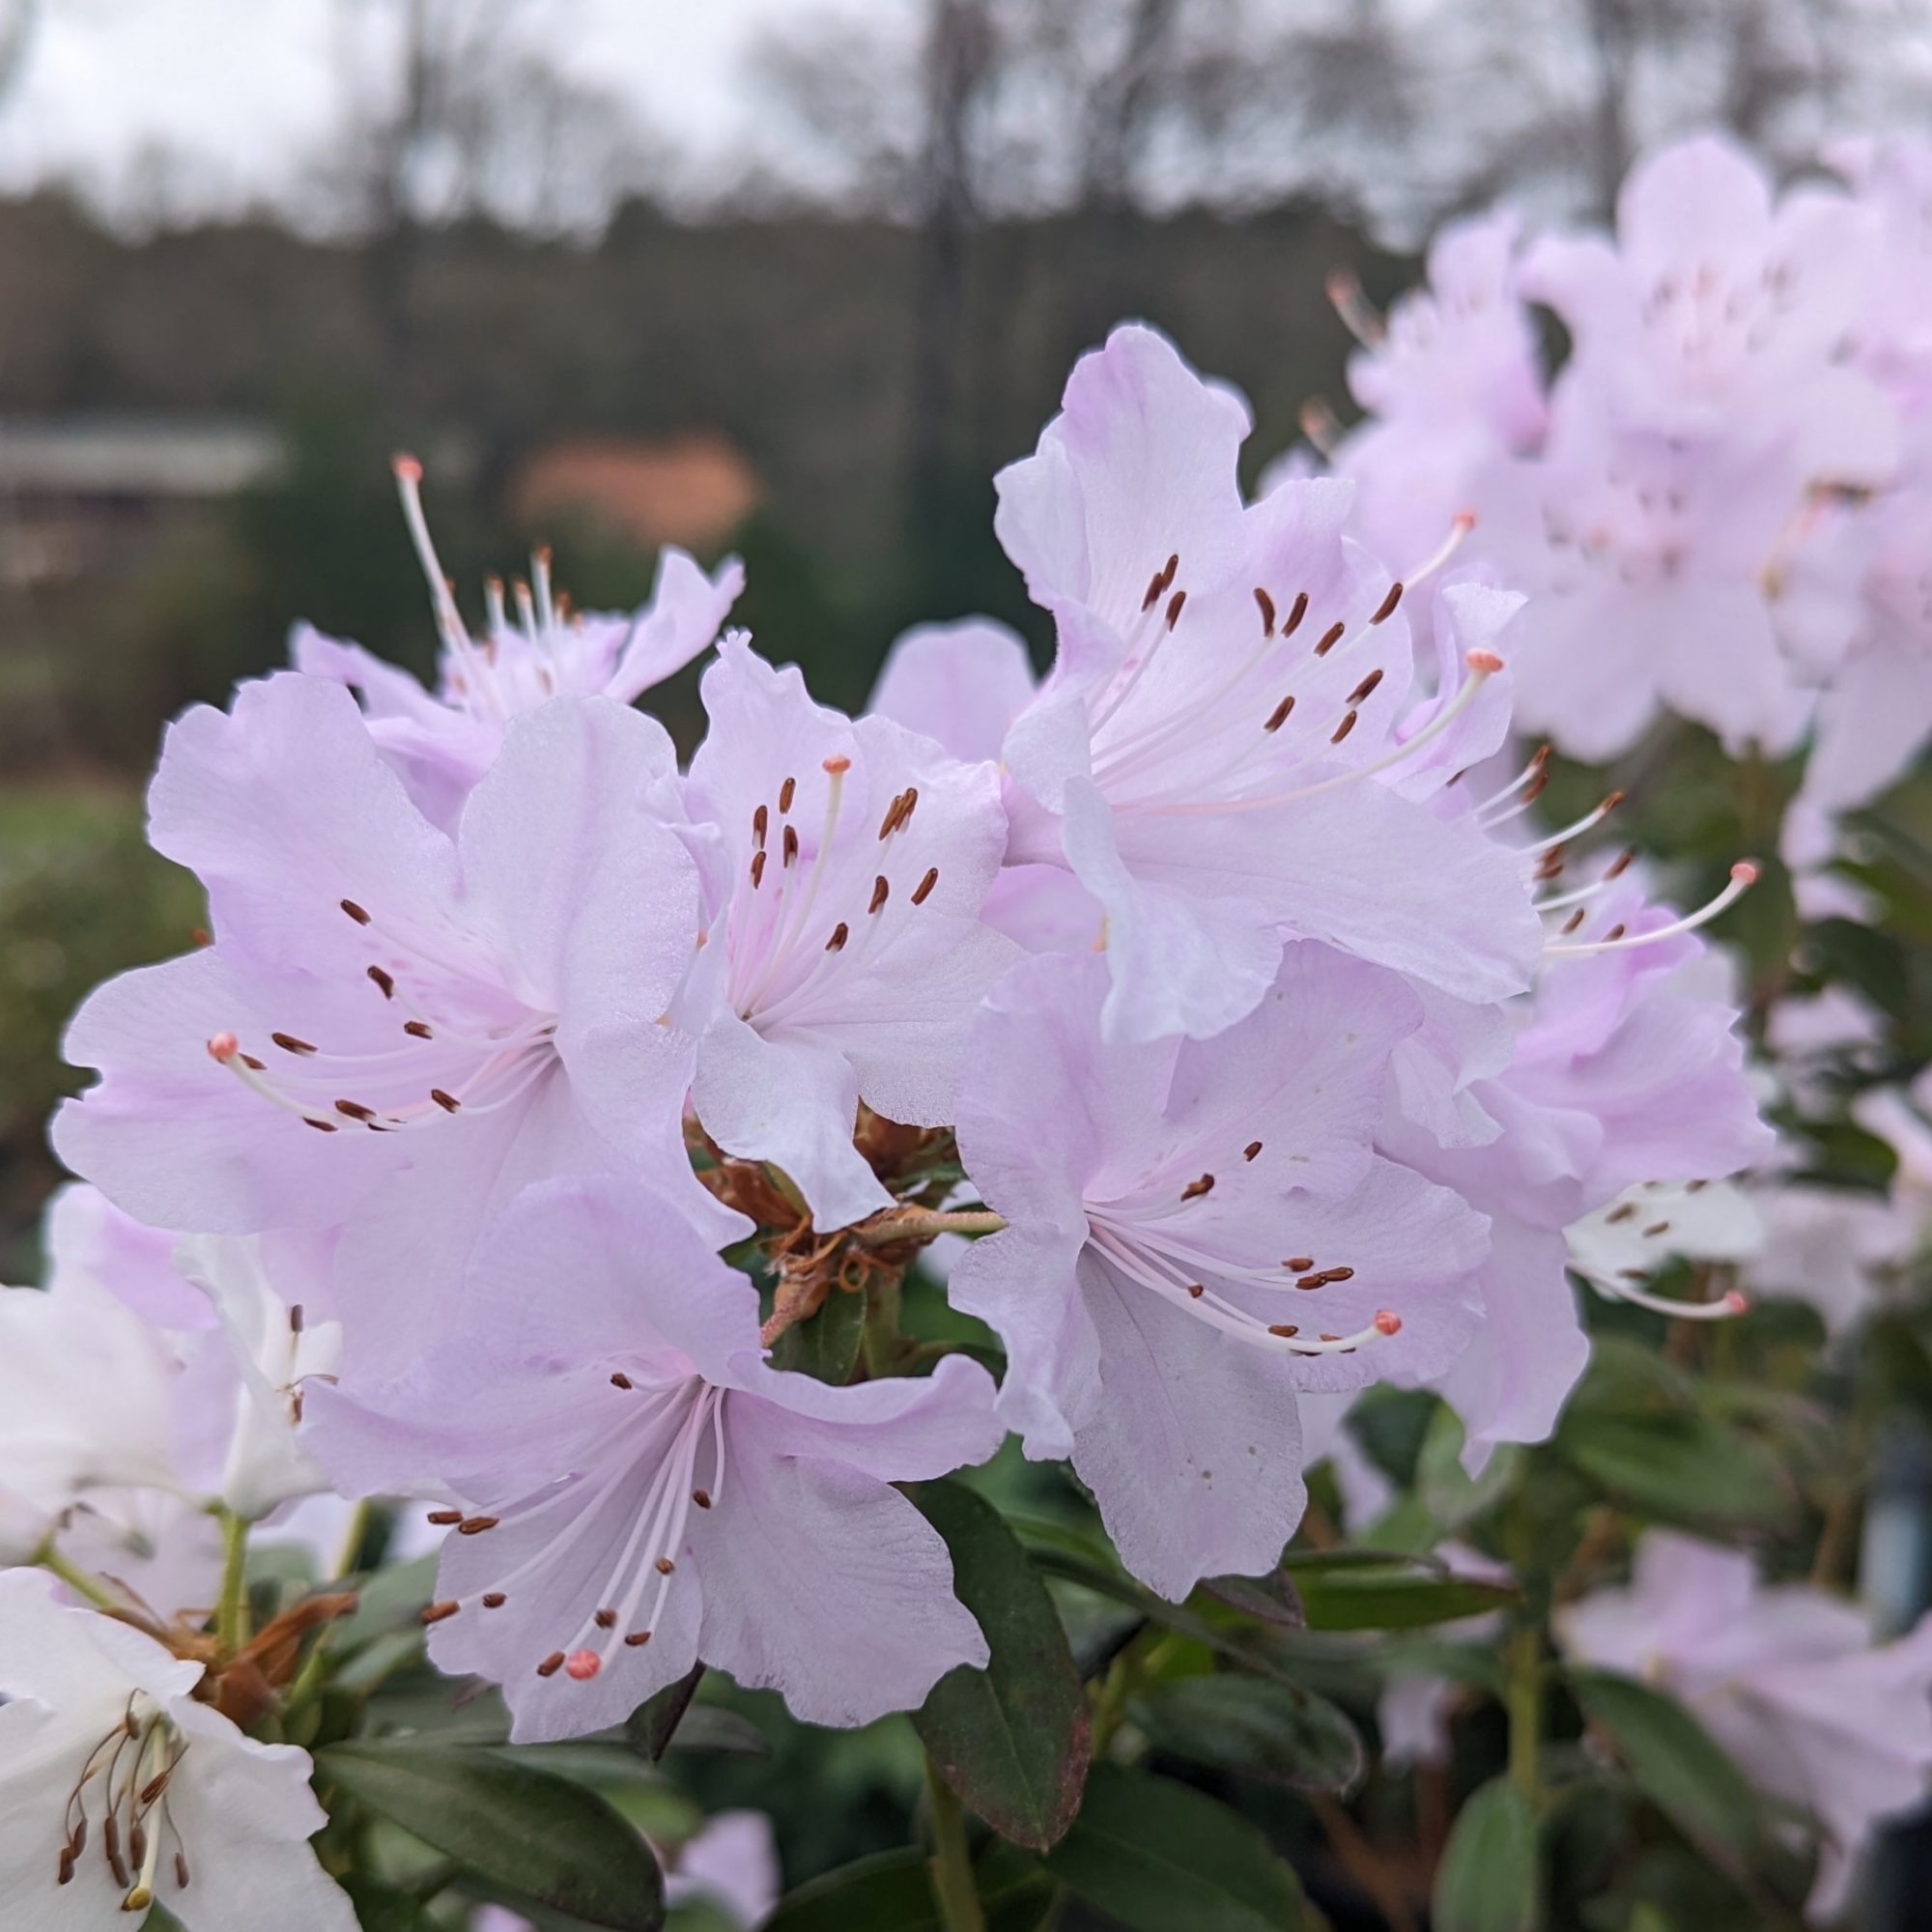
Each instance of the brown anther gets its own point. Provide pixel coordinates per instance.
(1155, 585)
(606, 1620)
(1267, 604)
(249, 1061)
(200, 936)
(1338, 1274)
(757, 870)
(1385, 609)
(1284, 1329)
(434, 1613)
(1278, 717)
(321, 1126)
(665, 1565)
(1696, 1187)
(786, 793)
(355, 1109)
(551, 1664)
(1300, 1264)
(417, 1030)
(762, 820)
(702, 1498)
(1175, 606)
(155, 1786)
(1252, 1149)
(289, 1044)
(180, 1872)
(790, 851)
(924, 889)
(1196, 1290)
(297, 1318)
(1622, 1213)
(1367, 685)
(1334, 1338)
(356, 912)
(637, 1639)
(1343, 729)
(1537, 786)
(840, 935)
(1610, 804)
(444, 1518)
(1297, 611)
(493, 1600)
(1310, 1280)
(387, 981)
(448, 1102)
(1620, 863)
(475, 1525)
(1616, 932)
(1196, 1188)
(1329, 638)
(66, 1876)
(1656, 1228)
(620, 1380)
(889, 824)
(881, 892)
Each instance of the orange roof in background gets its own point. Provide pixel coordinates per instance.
(691, 490)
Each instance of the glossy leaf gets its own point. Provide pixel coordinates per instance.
(1255, 1728)
(1012, 1740)
(891, 1892)
(826, 1346)
(1269, 1600)
(649, 1730)
(1488, 1879)
(520, 1830)
(1674, 1761)
(1156, 1856)
(1389, 1597)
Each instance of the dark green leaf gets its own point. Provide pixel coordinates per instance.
(1156, 1857)
(891, 1892)
(1385, 1597)
(378, 1909)
(649, 1730)
(826, 1346)
(1682, 1468)
(1674, 1761)
(1270, 1600)
(1011, 1740)
(1256, 1728)
(1488, 1879)
(522, 1831)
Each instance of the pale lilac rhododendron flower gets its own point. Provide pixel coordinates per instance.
(119, 1788)
(1623, 1070)
(1227, 687)
(844, 864)
(1451, 378)
(394, 1027)
(442, 741)
(1785, 1677)
(645, 1491)
(1195, 1231)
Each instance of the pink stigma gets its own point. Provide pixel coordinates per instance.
(583, 1665)
(836, 764)
(407, 468)
(223, 1047)
(1737, 1302)
(1387, 1321)
(1463, 521)
(1486, 662)
(1746, 871)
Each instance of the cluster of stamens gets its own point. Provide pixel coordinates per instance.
(1142, 1236)
(439, 1066)
(521, 660)
(1135, 756)
(784, 948)
(690, 1413)
(130, 1770)
(1626, 1283)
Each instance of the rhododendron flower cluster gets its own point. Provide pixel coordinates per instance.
(644, 1179)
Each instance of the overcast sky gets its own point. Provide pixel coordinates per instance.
(239, 92)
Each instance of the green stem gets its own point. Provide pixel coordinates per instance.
(951, 1863)
(1523, 1703)
(78, 1580)
(230, 1616)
